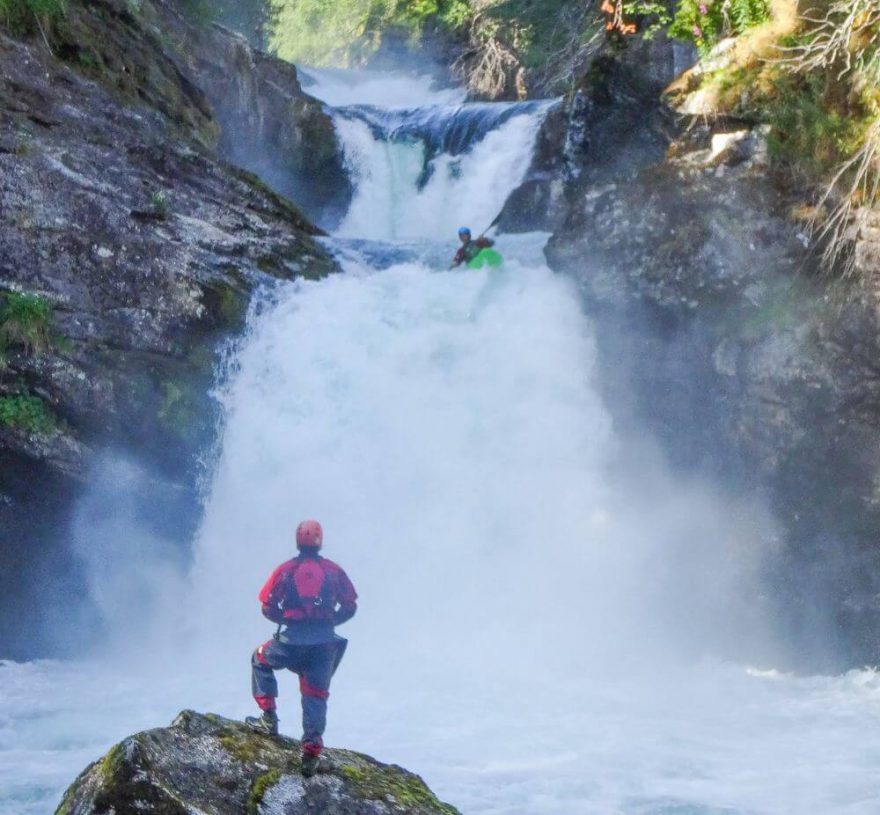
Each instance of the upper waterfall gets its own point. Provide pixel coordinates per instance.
(424, 162)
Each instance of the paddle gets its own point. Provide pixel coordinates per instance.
(494, 223)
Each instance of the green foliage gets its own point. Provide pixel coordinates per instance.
(705, 22)
(839, 48)
(28, 16)
(809, 133)
(455, 14)
(657, 11)
(26, 321)
(541, 33)
(702, 22)
(27, 412)
(346, 31)
(806, 130)
(161, 205)
(200, 12)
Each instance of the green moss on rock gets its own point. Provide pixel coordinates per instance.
(175, 414)
(112, 762)
(212, 764)
(260, 787)
(28, 413)
(372, 781)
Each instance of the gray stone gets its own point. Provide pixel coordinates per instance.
(208, 764)
(717, 329)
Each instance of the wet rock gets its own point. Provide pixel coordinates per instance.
(538, 202)
(610, 126)
(269, 126)
(715, 329)
(205, 763)
(118, 209)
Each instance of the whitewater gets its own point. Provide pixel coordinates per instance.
(550, 621)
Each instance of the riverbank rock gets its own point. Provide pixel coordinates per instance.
(716, 328)
(268, 125)
(611, 124)
(119, 213)
(205, 763)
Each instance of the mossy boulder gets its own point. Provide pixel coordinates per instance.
(205, 763)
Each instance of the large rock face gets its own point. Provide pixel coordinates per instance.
(269, 126)
(206, 77)
(117, 209)
(715, 330)
(611, 125)
(214, 765)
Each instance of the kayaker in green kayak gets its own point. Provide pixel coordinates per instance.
(469, 248)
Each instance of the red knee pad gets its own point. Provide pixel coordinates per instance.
(310, 690)
(258, 654)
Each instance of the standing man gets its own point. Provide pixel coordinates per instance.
(307, 597)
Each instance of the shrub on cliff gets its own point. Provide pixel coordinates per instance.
(29, 16)
(706, 22)
(27, 412)
(840, 42)
(816, 82)
(26, 321)
(702, 22)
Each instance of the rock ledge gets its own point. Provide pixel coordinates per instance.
(208, 764)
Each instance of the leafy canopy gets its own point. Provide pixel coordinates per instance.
(345, 32)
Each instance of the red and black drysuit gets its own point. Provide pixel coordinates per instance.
(468, 251)
(306, 644)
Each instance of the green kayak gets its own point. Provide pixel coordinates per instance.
(485, 257)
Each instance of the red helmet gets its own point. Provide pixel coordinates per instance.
(309, 533)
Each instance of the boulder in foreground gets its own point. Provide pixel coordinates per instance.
(208, 764)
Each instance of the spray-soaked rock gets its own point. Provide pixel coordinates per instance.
(205, 763)
(715, 331)
(118, 210)
(269, 126)
(610, 125)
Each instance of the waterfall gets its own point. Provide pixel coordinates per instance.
(444, 427)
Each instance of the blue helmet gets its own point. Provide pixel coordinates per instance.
(464, 231)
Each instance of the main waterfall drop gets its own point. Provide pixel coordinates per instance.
(438, 423)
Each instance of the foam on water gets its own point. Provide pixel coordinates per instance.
(714, 740)
(540, 599)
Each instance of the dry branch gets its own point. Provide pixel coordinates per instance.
(843, 41)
